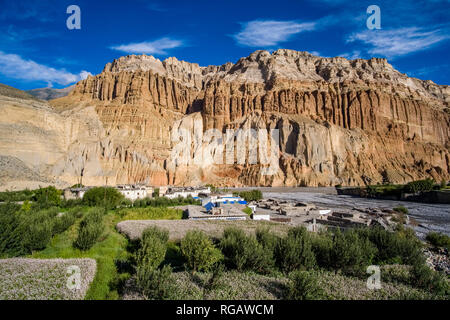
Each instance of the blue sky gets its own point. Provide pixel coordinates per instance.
(38, 50)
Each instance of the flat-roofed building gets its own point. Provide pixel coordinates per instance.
(133, 192)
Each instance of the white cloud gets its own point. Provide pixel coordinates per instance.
(84, 74)
(355, 54)
(150, 47)
(398, 42)
(269, 33)
(14, 66)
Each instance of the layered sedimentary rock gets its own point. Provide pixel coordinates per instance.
(340, 121)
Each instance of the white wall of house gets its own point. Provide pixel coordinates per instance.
(134, 194)
(183, 194)
(261, 217)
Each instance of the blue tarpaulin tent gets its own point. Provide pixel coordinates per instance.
(209, 206)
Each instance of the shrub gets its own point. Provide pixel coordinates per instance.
(90, 230)
(322, 244)
(199, 251)
(64, 222)
(26, 206)
(155, 232)
(103, 197)
(438, 239)
(47, 197)
(430, 280)
(295, 251)
(401, 209)
(393, 247)
(37, 228)
(419, 186)
(10, 231)
(153, 247)
(247, 210)
(22, 195)
(266, 238)
(350, 252)
(244, 252)
(304, 286)
(71, 203)
(126, 203)
(154, 283)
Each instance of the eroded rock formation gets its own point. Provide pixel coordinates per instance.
(348, 122)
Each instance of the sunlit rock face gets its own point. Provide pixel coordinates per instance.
(349, 122)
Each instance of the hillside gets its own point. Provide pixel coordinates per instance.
(8, 91)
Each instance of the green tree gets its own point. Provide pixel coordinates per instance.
(350, 252)
(47, 197)
(37, 228)
(11, 235)
(295, 251)
(199, 251)
(244, 252)
(106, 197)
(153, 247)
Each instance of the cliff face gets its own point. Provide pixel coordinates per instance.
(340, 121)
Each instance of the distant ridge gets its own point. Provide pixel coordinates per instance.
(50, 93)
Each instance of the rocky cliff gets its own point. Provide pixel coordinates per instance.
(340, 121)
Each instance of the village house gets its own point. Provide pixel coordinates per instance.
(194, 192)
(134, 192)
(75, 193)
(131, 192)
(216, 200)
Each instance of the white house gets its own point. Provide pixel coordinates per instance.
(174, 193)
(134, 192)
(227, 198)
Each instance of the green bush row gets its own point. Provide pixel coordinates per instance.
(23, 231)
(90, 229)
(298, 254)
(153, 281)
